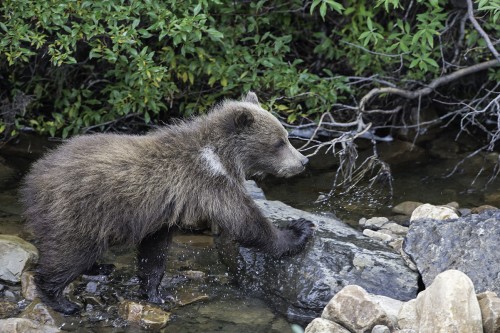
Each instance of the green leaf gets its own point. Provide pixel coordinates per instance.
(431, 62)
(369, 23)
(322, 10)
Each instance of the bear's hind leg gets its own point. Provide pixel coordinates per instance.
(55, 272)
(151, 262)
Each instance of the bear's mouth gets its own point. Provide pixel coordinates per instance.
(290, 172)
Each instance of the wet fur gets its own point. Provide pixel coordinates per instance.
(105, 189)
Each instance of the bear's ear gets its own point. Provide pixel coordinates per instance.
(251, 98)
(243, 119)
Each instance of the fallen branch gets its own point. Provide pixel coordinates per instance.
(430, 87)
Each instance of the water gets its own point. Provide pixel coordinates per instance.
(426, 180)
(196, 277)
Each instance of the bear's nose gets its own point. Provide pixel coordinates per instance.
(305, 161)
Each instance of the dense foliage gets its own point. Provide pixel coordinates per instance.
(73, 66)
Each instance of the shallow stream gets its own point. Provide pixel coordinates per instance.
(205, 298)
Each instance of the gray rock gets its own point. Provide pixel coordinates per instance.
(449, 304)
(354, 309)
(396, 229)
(15, 256)
(381, 329)
(254, 191)
(23, 325)
(490, 311)
(374, 223)
(468, 244)
(406, 207)
(147, 316)
(482, 208)
(337, 256)
(42, 314)
(320, 325)
(428, 211)
(378, 235)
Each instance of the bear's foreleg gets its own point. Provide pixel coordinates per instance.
(249, 227)
(151, 262)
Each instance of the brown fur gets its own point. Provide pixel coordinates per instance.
(105, 189)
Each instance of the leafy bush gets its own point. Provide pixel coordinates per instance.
(73, 66)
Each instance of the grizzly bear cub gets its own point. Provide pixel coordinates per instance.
(100, 190)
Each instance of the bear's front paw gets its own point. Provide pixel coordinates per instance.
(294, 237)
(302, 228)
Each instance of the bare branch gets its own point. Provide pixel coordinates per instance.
(430, 87)
(470, 13)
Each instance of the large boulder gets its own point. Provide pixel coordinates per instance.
(468, 244)
(449, 305)
(337, 256)
(15, 256)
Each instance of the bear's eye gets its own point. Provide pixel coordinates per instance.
(280, 143)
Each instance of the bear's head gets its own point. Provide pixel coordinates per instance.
(262, 142)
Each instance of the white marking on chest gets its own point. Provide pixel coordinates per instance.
(212, 160)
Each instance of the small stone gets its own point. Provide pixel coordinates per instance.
(396, 244)
(23, 325)
(147, 316)
(9, 295)
(42, 314)
(377, 235)
(320, 325)
(490, 311)
(403, 220)
(91, 287)
(406, 207)
(8, 309)
(428, 211)
(396, 229)
(482, 208)
(453, 205)
(449, 304)
(194, 275)
(375, 223)
(380, 329)
(15, 256)
(353, 308)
